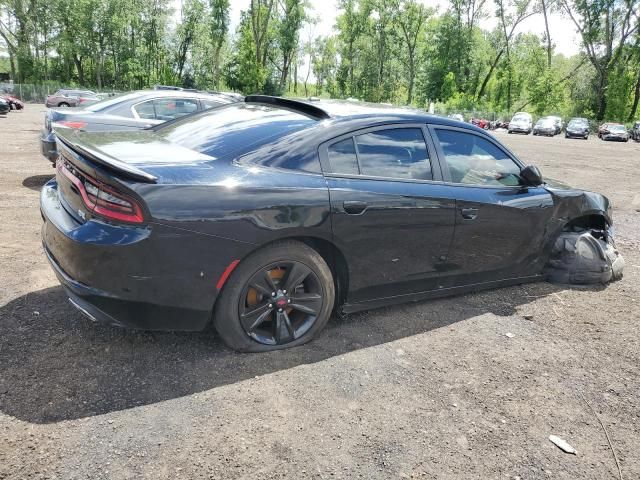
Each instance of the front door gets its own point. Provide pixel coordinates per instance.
(500, 224)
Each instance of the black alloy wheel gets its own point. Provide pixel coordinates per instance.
(280, 303)
(279, 296)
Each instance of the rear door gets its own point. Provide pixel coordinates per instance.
(499, 224)
(391, 215)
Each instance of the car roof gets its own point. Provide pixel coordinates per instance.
(344, 111)
(177, 93)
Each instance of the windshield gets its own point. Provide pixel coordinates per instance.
(578, 123)
(545, 122)
(617, 128)
(233, 129)
(521, 118)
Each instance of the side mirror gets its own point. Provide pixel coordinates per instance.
(531, 176)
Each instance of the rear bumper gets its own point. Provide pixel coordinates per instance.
(519, 129)
(48, 146)
(128, 276)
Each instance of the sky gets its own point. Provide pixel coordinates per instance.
(563, 32)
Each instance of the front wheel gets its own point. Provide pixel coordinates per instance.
(278, 297)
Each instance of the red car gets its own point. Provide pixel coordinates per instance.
(480, 122)
(13, 102)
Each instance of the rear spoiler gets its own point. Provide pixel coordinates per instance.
(107, 161)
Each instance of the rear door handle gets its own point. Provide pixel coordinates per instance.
(469, 213)
(354, 207)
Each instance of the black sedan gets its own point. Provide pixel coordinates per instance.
(268, 215)
(577, 128)
(4, 107)
(129, 111)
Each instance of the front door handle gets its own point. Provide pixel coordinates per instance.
(469, 213)
(354, 207)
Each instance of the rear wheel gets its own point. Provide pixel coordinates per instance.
(63, 104)
(278, 297)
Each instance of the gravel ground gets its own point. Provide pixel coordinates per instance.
(429, 390)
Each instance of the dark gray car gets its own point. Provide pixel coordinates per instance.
(129, 111)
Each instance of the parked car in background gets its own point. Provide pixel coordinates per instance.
(577, 128)
(4, 106)
(615, 131)
(557, 121)
(635, 132)
(14, 103)
(265, 216)
(70, 98)
(545, 126)
(129, 111)
(500, 123)
(604, 128)
(480, 123)
(521, 122)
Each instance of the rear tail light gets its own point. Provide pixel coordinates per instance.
(74, 125)
(103, 199)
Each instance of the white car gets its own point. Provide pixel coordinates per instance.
(521, 122)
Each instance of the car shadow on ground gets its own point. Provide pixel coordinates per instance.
(56, 365)
(37, 181)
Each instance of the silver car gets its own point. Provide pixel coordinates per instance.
(70, 98)
(129, 111)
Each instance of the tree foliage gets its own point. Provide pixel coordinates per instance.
(397, 51)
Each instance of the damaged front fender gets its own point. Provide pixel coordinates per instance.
(580, 244)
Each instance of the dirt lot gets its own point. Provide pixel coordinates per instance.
(429, 390)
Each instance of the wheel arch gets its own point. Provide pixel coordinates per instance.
(329, 252)
(596, 219)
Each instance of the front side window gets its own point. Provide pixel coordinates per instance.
(391, 153)
(474, 160)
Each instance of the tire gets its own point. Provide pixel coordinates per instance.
(509, 132)
(274, 330)
(63, 104)
(584, 257)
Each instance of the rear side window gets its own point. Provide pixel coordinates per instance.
(170, 108)
(391, 153)
(474, 160)
(394, 153)
(342, 157)
(145, 110)
(166, 108)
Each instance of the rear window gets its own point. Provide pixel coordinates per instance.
(234, 129)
